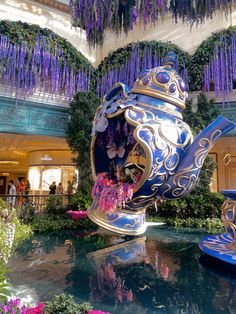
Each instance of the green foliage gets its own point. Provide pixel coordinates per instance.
(46, 223)
(80, 201)
(66, 304)
(26, 212)
(54, 205)
(4, 285)
(206, 112)
(195, 205)
(19, 32)
(22, 232)
(78, 135)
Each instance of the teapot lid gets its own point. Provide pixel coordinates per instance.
(163, 83)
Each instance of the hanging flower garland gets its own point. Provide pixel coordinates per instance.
(221, 70)
(33, 59)
(213, 66)
(97, 16)
(125, 64)
(39, 68)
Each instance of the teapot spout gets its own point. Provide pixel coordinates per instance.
(182, 182)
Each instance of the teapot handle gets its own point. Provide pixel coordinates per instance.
(117, 88)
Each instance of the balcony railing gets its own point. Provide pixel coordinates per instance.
(38, 202)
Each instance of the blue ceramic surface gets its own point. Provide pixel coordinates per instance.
(153, 107)
(229, 194)
(220, 246)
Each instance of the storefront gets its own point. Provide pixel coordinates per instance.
(48, 166)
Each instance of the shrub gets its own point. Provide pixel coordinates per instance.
(47, 223)
(80, 201)
(4, 285)
(195, 205)
(54, 205)
(26, 212)
(66, 304)
(78, 135)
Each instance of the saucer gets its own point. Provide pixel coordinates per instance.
(221, 246)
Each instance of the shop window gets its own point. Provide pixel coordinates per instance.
(50, 175)
(34, 177)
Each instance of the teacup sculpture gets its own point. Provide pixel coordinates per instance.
(142, 150)
(223, 246)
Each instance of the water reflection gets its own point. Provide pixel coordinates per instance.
(158, 273)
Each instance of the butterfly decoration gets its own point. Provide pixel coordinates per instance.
(113, 151)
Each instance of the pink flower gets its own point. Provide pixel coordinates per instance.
(97, 312)
(111, 194)
(130, 296)
(78, 214)
(36, 310)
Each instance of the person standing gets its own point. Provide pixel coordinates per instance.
(22, 187)
(52, 188)
(12, 194)
(17, 185)
(60, 189)
(69, 190)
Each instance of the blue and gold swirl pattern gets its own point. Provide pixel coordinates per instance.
(170, 159)
(223, 246)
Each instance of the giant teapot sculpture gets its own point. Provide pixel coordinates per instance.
(142, 131)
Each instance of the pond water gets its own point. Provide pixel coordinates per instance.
(161, 272)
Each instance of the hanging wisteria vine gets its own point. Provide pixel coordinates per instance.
(96, 16)
(27, 69)
(125, 64)
(220, 71)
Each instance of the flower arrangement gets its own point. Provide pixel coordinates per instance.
(14, 306)
(33, 58)
(111, 194)
(221, 70)
(125, 64)
(117, 16)
(26, 69)
(213, 64)
(114, 188)
(77, 214)
(97, 312)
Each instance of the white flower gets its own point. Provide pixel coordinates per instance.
(108, 107)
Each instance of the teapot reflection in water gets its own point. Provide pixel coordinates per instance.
(141, 133)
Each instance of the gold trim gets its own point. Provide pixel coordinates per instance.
(166, 110)
(229, 206)
(132, 212)
(92, 157)
(159, 95)
(144, 145)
